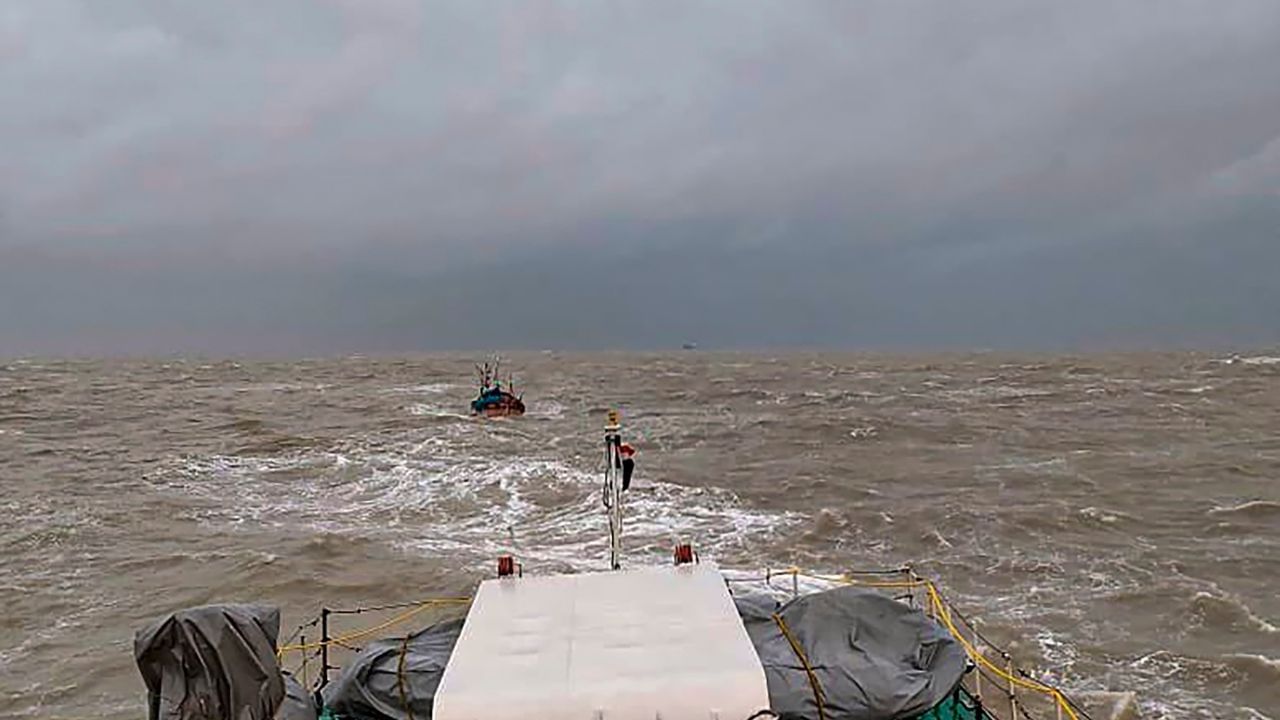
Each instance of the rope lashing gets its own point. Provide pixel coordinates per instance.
(400, 683)
(804, 661)
(346, 639)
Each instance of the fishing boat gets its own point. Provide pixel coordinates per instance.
(494, 400)
(685, 640)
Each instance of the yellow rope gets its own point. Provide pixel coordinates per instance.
(943, 611)
(346, 639)
(813, 678)
(404, 698)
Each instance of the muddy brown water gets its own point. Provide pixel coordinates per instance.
(1114, 519)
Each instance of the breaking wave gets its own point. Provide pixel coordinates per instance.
(1219, 611)
(433, 500)
(1254, 509)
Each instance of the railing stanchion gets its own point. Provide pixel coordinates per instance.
(1013, 689)
(324, 646)
(977, 678)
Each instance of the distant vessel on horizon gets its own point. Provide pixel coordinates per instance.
(689, 346)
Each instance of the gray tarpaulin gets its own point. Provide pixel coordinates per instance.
(298, 703)
(390, 674)
(874, 657)
(216, 662)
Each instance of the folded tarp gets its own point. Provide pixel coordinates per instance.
(215, 662)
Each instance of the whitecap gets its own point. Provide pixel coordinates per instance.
(1252, 508)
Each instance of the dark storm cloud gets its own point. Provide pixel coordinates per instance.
(354, 173)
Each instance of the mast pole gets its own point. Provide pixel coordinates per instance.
(613, 487)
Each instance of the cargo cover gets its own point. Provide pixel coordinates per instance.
(662, 642)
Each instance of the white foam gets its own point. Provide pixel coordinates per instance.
(993, 392)
(1233, 605)
(1053, 462)
(1059, 656)
(428, 496)
(938, 538)
(427, 389)
(546, 409)
(1253, 360)
(1252, 507)
(439, 411)
(1106, 517)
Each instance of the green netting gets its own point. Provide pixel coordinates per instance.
(959, 705)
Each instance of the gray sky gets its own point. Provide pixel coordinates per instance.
(383, 175)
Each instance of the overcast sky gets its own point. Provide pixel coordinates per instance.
(318, 176)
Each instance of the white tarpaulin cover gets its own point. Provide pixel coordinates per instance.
(632, 645)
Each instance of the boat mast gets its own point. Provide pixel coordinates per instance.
(613, 487)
